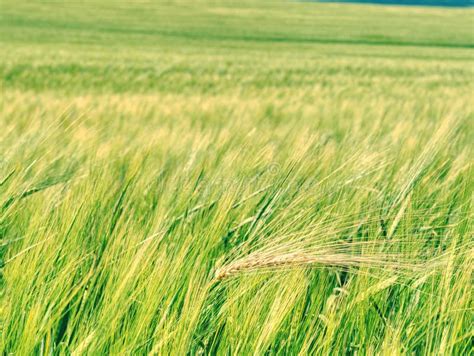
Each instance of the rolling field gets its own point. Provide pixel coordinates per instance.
(219, 177)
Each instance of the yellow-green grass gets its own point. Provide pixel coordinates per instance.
(235, 177)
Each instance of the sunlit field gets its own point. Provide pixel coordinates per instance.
(251, 177)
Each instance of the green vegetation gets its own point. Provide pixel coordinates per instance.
(235, 178)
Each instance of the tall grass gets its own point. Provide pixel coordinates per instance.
(223, 193)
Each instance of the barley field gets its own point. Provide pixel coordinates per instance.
(223, 177)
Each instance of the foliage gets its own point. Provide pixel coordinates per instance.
(235, 177)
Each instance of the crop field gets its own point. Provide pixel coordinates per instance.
(235, 177)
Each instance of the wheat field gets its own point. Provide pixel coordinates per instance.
(252, 177)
